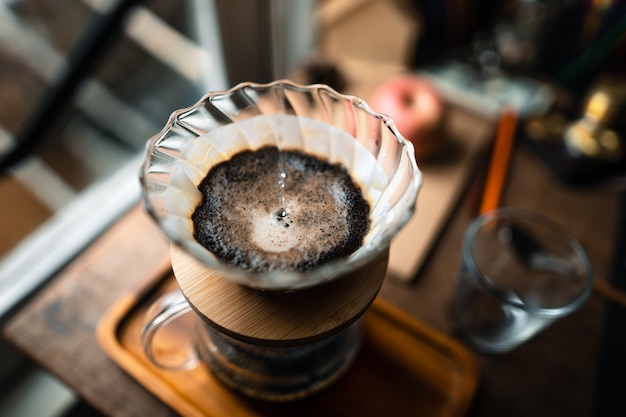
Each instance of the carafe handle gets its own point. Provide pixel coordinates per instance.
(161, 313)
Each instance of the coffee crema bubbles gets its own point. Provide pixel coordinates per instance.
(268, 210)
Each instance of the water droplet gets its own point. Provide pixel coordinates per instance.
(282, 213)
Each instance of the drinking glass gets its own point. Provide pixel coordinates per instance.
(520, 272)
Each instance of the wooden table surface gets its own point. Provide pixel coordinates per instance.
(552, 375)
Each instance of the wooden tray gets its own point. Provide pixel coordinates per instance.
(404, 368)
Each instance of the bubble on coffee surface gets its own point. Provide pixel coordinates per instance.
(240, 219)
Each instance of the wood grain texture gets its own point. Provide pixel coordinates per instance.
(277, 317)
(434, 374)
(56, 328)
(59, 329)
(554, 374)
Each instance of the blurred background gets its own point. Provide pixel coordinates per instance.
(84, 84)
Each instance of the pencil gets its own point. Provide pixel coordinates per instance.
(500, 157)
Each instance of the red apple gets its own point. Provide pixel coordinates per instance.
(415, 107)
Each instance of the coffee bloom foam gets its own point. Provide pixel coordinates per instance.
(250, 219)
